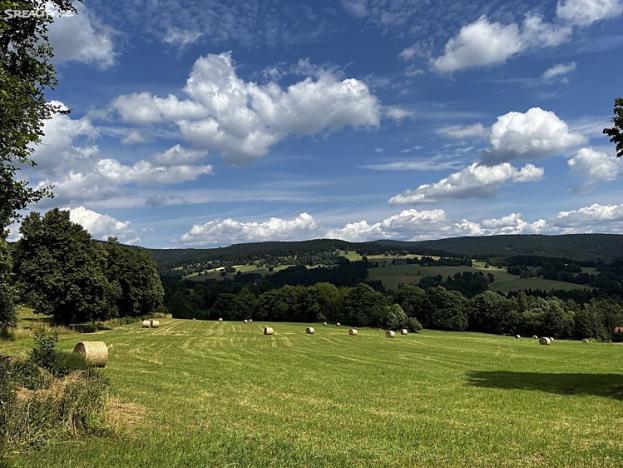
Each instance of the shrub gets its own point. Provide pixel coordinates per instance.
(44, 352)
(27, 374)
(413, 324)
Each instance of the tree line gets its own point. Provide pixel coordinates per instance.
(59, 270)
(409, 306)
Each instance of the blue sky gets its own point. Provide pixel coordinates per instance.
(210, 123)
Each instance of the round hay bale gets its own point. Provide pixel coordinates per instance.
(154, 323)
(534, 337)
(338, 324)
(390, 334)
(517, 337)
(220, 319)
(352, 332)
(146, 324)
(268, 331)
(585, 340)
(325, 323)
(404, 331)
(245, 320)
(250, 320)
(95, 353)
(551, 339)
(310, 330)
(545, 340)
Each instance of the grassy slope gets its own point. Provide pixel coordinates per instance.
(221, 393)
(394, 275)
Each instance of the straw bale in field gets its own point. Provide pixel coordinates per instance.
(95, 353)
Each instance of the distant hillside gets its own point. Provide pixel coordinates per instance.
(167, 258)
(573, 246)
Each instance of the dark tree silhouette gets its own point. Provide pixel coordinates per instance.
(616, 133)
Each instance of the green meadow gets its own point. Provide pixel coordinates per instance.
(222, 394)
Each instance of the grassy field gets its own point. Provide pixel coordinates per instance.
(216, 273)
(221, 394)
(394, 275)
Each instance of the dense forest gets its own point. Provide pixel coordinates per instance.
(458, 302)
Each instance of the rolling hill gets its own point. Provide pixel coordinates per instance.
(573, 246)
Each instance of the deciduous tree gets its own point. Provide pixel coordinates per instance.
(616, 132)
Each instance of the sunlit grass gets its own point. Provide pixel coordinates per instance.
(222, 394)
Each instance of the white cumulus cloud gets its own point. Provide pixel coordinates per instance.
(595, 166)
(231, 231)
(242, 120)
(101, 226)
(593, 218)
(475, 181)
(484, 43)
(81, 38)
(78, 171)
(534, 134)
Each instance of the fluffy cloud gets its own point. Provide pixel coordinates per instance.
(511, 224)
(595, 166)
(81, 38)
(420, 225)
(593, 218)
(587, 12)
(475, 181)
(461, 132)
(144, 108)
(59, 135)
(558, 70)
(242, 119)
(359, 231)
(411, 225)
(231, 231)
(407, 225)
(102, 226)
(483, 43)
(78, 171)
(534, 134)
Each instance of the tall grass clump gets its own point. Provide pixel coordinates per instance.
(50, 396)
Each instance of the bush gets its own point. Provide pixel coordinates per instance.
(67, 362)
(44, 352)
(27, 374)
(413, 324)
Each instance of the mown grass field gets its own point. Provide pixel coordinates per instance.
(222, 394)
(393, 276)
